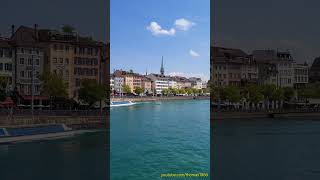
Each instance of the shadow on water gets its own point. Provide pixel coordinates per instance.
(285, 148)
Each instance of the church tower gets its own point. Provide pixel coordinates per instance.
(162, 69)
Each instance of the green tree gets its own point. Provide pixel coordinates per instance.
(53, 85)
(253, 94)
(138, 90)
(288, 93)
(165, 92)
(175, 91)
(189, 91)
(126, 88)
(182, 91)
(68, 28)
(91, 92)
(232, 94)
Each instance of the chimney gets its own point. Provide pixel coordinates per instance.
(36, 31)
(12, 30)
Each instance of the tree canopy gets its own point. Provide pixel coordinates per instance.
(91, 92)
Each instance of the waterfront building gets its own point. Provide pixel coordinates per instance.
(276, 67)
(59, 55)
(131, 79)
(301, 75)
(28, 60)
(226, 66)
(87, 62)
(196, 82)
(159, 82)
(147, 85)
(172, 84)
(118, 84)
(315, 71)
(204, 84)
(6, 62)
(111, 84)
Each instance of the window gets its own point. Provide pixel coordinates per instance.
(21, 73)
(67, 48)
(67, 73)
(55, 47)
(37, 88)
(37, 74)
(29, 61)
(55, 71)
(30, 51)
(37, 62)
(22, 88)
(37, 51)
(54, 60)
(75, 71)
(61, 60)
(22, 50)
(61, 47)
(21, 60)
(67, 61)
(1, 66)
(6, 66)
(29, 74)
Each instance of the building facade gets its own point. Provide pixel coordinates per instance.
(6, 62)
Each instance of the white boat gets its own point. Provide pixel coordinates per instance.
(121, 103)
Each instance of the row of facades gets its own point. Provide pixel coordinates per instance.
(152, 83)
(237, 68)
(29, 52)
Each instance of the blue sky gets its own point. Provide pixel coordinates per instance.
(144, 30)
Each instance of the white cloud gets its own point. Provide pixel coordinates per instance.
(156, 29)
(193, 53)
(184, 24)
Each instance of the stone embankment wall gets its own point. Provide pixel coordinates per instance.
(162, 98)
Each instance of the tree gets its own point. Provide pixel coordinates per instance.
(68, 28)
(138, 90)
(288, 93)
(175, 91)
(182, 91)
(189, 91)
(126, 89)
(91, 92)
(165, 92)
(232, 94)
(53, 85)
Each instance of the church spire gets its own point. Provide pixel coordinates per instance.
(162, 69)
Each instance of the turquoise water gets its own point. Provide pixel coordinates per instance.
(82, 157)
(150, 139)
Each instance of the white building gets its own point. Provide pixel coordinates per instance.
(275, 67)
(159, 82)
(301, 75)
(196, 82)
(118, 84)
(111, 83)
(173, 84)
(204, 84)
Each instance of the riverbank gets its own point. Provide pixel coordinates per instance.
(254, 115)
(158, 98)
